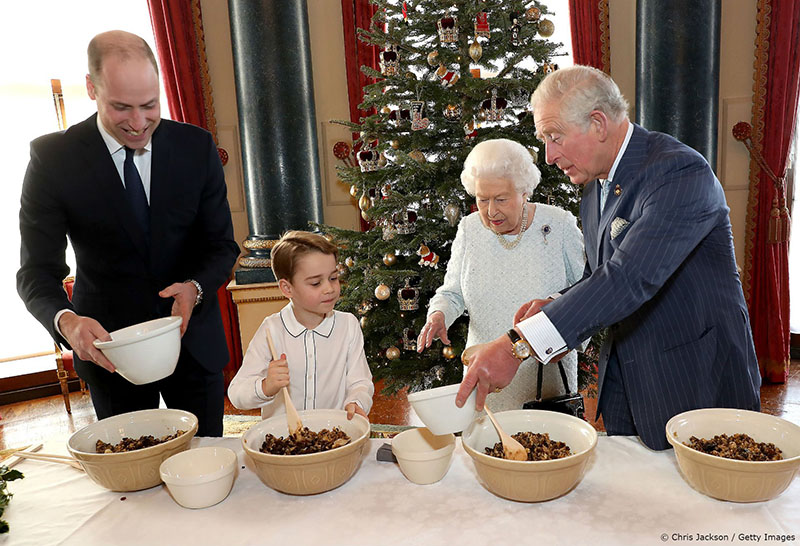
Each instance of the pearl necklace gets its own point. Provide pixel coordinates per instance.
(508, 245)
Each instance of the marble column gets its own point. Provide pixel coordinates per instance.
(677, 70)
(275, 96)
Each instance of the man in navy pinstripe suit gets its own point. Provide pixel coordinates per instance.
(660, 271)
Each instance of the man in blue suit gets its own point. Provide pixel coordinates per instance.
(143, 201)
(660, 271)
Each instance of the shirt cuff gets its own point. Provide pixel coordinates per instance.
(260, 393)
(542, 336)
(58, 316)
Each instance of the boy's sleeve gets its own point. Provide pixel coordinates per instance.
(359, 379)
(245, 391)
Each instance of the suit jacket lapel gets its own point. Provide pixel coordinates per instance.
(108, 182)
(589, 218)
(159, 186)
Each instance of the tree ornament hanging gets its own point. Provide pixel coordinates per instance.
(389, 61)
(448, 29)
(546, 28)
(482, 29)
(392, 353)
(448, 352)
(417, 121)
(363, 321)
(427, 258)
(354, 190)
(418, 156)
(409, 339)
(452, 213)
(408, 296)
(405, 222)
(389, 259)
(368, 160)
(364, 202)
(532, 14)
(433, 57)
(382, 292)
(494, 108)
(452, 112)
(349, 262)
(475, 51)
(448, 78)
(395, 144)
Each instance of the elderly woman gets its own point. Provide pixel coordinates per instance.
(509, 252)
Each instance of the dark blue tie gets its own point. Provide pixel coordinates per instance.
(135, 191)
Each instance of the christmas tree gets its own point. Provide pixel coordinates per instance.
(451, 75)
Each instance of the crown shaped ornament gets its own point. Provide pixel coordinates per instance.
(409, 339)
(368, 160)
(519, 97)
(448, 29)
(408, 296)
(389, 61)
(404, 222)
(495, 107)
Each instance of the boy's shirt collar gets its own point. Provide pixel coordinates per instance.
(296, 329)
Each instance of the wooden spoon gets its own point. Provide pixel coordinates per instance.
(512, 449)
(50, 458)
(292, 417)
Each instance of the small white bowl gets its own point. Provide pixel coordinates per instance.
(145, 352)
(200, 477)
(423, 457)
(437, 409)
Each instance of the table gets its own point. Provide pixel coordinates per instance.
(630, 495)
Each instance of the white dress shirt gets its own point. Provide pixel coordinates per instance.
(327, 365)
(541, 334)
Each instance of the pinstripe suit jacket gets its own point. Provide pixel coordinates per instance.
(666, 285)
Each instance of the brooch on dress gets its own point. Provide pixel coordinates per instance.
(545, 232)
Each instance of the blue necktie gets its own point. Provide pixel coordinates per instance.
(135, 192)
(604, 187)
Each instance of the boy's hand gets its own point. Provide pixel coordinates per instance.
(277, 376)
(352, 408)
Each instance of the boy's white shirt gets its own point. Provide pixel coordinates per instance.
(327, 365)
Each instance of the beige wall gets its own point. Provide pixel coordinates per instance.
(738, 28)
(330, 95)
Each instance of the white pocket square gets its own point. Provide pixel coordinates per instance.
(618, 225)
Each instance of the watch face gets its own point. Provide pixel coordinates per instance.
(522, 350)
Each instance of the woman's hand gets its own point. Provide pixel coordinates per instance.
(277, 376)
(434, 328)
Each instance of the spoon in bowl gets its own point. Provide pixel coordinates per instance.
(512, 449)
(292, 417)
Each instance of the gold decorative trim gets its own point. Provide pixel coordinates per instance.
(259, 244)
(247, 261)
(760, 66)
(262, 299)
(605, 37)
(208, 100)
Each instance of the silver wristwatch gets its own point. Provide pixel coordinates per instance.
(199, 297)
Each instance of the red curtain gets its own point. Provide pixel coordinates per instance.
(766, 271)
(588, 21)
(178, 30)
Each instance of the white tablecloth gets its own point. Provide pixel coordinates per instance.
(630, 495)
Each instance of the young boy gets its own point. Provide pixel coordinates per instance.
(322, 360)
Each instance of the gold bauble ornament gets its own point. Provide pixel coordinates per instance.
(546, 28)
(354, 190)
(410, 75)
(448, 352)
(395, 144)
(363, 322)
(475, 51)
(381, 160)
(364, 203)
(533, 14)
(386, 110)
(433, 58)
(349, 262)
(389, 259)
(392, 353)
(382, 292)
(365, 216)
(417, 156)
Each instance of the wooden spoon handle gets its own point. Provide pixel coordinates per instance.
(292, 417)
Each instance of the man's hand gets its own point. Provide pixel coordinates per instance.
(491, 367)
(184, 294)
(80, 332)
(529, 309)
(433, 329)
